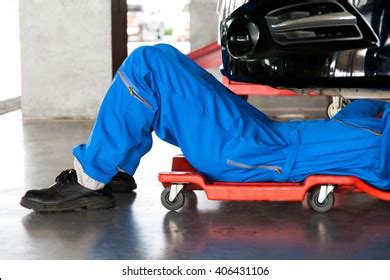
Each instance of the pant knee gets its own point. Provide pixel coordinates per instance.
(154, 52)
(140, 52)
(145, 55)
(166, 48)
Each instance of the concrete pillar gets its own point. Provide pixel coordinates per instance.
(9, 54)
(66, 56)
(204, 22)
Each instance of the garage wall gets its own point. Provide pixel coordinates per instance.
(204, 22)
(10, 54)
(66, 57)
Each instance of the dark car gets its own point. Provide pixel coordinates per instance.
(340, 47)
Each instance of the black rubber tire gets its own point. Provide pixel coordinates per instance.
(323, 207)
(191, 200)
(174, 205)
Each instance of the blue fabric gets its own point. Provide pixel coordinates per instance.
(222, 135)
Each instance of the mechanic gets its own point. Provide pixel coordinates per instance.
(159, 89)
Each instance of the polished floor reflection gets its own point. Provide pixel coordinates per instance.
(32, 153)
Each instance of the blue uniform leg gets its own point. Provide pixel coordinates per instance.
(122, 132)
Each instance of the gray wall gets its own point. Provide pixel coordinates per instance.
(66, 57)
(204, 22)
(10, 50)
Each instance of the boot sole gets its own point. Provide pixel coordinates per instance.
(90, 203)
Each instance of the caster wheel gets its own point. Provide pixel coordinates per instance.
(176, 204)
(336, 105)
(331, 111)
(323, 207)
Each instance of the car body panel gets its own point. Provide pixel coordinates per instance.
(308, 44)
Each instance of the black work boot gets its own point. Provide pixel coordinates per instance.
(66, 195)
(121, 183)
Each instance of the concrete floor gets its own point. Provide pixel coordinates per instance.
(33, 153)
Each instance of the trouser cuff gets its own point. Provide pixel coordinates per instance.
(83, 178)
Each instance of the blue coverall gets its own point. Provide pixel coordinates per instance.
(159, 89)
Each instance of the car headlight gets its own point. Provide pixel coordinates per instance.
(242, 36)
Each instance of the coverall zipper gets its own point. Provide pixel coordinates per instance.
(377, 133)
(132, 91)
(277, 169)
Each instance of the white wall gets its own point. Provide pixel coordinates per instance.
(204, 23)
(66, 57)
(9, 49)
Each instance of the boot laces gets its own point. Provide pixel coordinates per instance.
(68, 175)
